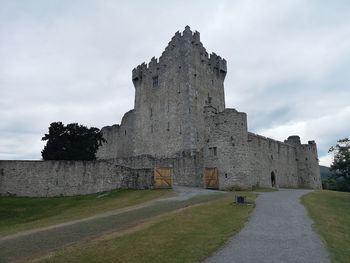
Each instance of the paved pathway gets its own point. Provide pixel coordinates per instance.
(279, 230)
(22, 246)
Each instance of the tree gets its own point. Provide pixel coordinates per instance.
(71, 142)
(341, 164)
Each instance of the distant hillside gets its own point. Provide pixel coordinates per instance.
(325, 172)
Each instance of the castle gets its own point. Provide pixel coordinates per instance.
(179, 132)
(180, 109)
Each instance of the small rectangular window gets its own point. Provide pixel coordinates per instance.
(212, 151)
(155, 81)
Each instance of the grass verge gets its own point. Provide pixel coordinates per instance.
(188, 236)
(22, 213)
(330, 210)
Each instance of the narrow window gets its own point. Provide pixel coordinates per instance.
(212, 151)
(168, 129)
(225, 175)
(151, 113)
(125, 132)
(155, 81)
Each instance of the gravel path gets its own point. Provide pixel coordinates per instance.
(37, 242)
(279, 230)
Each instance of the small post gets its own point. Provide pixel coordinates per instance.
(239, 199)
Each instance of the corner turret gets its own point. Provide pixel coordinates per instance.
(293, 140)
(307, 163)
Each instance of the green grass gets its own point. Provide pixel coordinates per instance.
(330, 211)
(20, 213)
(187, 236)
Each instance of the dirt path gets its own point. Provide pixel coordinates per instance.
(37, 242)
(279, 230)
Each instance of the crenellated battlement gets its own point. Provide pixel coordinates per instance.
(187, 43)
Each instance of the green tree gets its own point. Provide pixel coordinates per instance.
(340, 167)
(71, 142)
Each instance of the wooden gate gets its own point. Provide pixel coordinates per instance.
(163, 177)
(211, 178)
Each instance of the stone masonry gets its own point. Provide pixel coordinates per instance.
(179, 121)
(180, 107)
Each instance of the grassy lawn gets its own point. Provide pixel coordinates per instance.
(330, 211)
(190, 235)
(21, 213)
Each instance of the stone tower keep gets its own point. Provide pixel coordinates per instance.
(170, 95)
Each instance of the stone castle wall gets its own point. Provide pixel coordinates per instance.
(120, 138)
(187, 166)
(267, 156)
(246, 160)
(68, 178)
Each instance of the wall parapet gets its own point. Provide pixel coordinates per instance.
(69, 178)
(261, 137)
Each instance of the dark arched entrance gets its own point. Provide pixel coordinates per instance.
(273, 179)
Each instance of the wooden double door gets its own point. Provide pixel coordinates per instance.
(163, 177)
(211, 178)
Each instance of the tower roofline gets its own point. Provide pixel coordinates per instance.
(189, 37)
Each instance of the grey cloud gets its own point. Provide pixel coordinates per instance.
(71, 61)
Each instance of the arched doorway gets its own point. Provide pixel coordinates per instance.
(273, 179)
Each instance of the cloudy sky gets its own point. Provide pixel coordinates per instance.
(71, 61)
